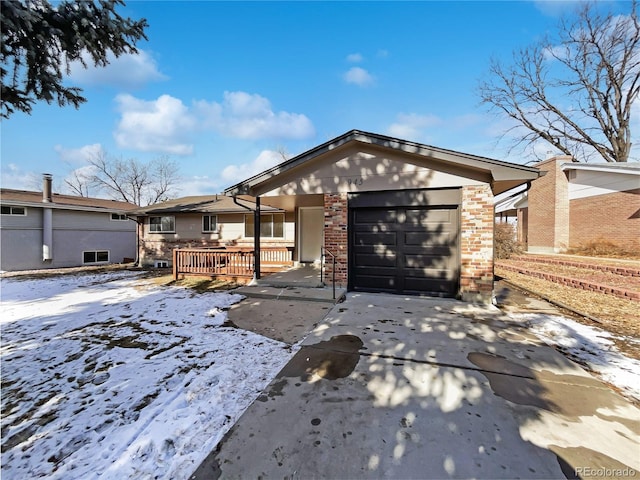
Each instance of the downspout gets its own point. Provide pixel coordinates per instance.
(47, 218)
(138, 233)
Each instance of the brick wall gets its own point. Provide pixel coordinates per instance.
(336, 238)
(548, 201)
(476, 243)
(614, 217)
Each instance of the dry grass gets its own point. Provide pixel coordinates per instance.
(199, 284)
(607, 248)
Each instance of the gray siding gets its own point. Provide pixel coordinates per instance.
(73, 233)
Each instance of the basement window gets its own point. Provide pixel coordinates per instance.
(95, 256)
(9, 210)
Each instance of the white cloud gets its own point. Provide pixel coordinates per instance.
(125, 72)
(354, 58)
(13, 177)
(264, 161)
(556, 8)
(410, 126)
(161, 125)
(79, 156)
(199, 185)
(250, 116)
(358, 76)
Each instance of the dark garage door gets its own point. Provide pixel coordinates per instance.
(404, 249)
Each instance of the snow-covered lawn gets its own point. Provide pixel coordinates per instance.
(592, 347)
(107, 376)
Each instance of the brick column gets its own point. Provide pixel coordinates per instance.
(548, 201)
(336, 237)
(476, 244)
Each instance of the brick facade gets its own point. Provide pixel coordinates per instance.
(476, 243)
(553, 223)
(336, 238)
(549, 208)
(614, 217)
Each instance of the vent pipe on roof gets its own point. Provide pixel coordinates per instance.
(47, 193)
(47, 219)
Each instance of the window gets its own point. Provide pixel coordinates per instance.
(8, 210)
(271, 225)
(209, 223)
(162, 224)
(118, 216)
(95, 256)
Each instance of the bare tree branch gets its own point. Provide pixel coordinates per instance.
(129, 180)
(576, 92)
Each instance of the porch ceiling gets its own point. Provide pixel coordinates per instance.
(289, 203)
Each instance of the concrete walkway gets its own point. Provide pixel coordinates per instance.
(405, 387)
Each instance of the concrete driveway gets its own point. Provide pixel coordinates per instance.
(405, 387)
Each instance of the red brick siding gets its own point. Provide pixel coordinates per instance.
(548, 201)
(476, 243)
(614, 217)
(336, 238)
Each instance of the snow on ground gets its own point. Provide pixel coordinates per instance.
(592, 347)
(106, 376)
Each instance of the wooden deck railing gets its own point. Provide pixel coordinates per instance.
(230, 262)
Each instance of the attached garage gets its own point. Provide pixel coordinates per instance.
(405, 242)
(398, 216)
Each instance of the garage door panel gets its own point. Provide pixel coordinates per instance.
(430, 239)
(426, 262)
(376, 283)
(373, 239)
(374, 217)
(427, 217)
(387, 260)
(422, 285)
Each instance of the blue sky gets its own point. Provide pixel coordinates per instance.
(222, 87)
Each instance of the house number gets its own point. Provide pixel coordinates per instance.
(355, 181)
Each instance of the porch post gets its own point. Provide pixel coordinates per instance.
(256, 240)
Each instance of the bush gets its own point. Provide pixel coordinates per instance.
(505, 243)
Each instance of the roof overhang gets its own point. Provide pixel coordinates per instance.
(502, 176)
(623, 169)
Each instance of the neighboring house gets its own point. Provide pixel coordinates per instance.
(400, 217)
(576, 203)
(208, 221)
(40, 230)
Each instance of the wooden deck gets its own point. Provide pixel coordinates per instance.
(230, 262)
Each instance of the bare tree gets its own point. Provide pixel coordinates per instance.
(575, 92)
(79, 183)
(129, 180)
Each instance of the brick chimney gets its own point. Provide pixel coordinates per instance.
(548, 200)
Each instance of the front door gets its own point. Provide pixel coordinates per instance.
(311, 227)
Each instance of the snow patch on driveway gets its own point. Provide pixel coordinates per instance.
(592, 347)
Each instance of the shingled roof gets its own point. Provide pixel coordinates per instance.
(203, 204)
(69, 202)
